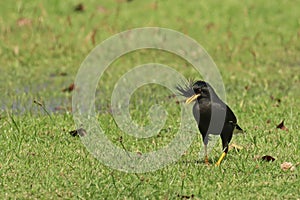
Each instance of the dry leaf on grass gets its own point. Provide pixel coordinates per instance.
(91, 37)
(268, 158)
(102, 9)
(264, 158)
(24, 22)
(78, 132)
(287, 166)
(282, 126)
(70, 88)
(235, 147)
(79, 7)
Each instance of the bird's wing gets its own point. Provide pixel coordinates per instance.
(220, 107)
(232, 119)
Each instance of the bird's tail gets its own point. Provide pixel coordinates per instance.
(238, 129)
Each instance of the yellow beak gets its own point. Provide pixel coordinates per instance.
(192, 98)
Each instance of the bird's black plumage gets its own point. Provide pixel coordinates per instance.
(213, 116)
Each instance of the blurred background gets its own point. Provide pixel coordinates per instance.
(43, 43)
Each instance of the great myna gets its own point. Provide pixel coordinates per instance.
(213, 116)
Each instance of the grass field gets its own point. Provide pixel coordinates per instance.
(256, 46)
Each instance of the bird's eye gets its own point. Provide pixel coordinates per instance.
(197, 90)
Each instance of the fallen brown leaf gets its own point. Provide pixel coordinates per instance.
(282, 126)
(91, 37)
(247, 87)
(57, 108)
(102, 9)
(81, 132)
(70, 88)
(235, 147)
(79, 7)
(287, 166)
(24, 22)
(268, 158)
(210, 26)
(61, 108)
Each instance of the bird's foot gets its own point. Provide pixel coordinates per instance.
(206, 160)
(220, 159)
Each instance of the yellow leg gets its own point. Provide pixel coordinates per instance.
(220, 159)
(206, 160)
(206, 157)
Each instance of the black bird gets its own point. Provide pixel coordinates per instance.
(213, 116)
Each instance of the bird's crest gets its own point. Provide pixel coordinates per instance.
(186, 89)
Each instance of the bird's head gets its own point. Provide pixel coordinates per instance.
(201, 90)
(195, 90)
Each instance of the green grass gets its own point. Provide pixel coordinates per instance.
(255, 46)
